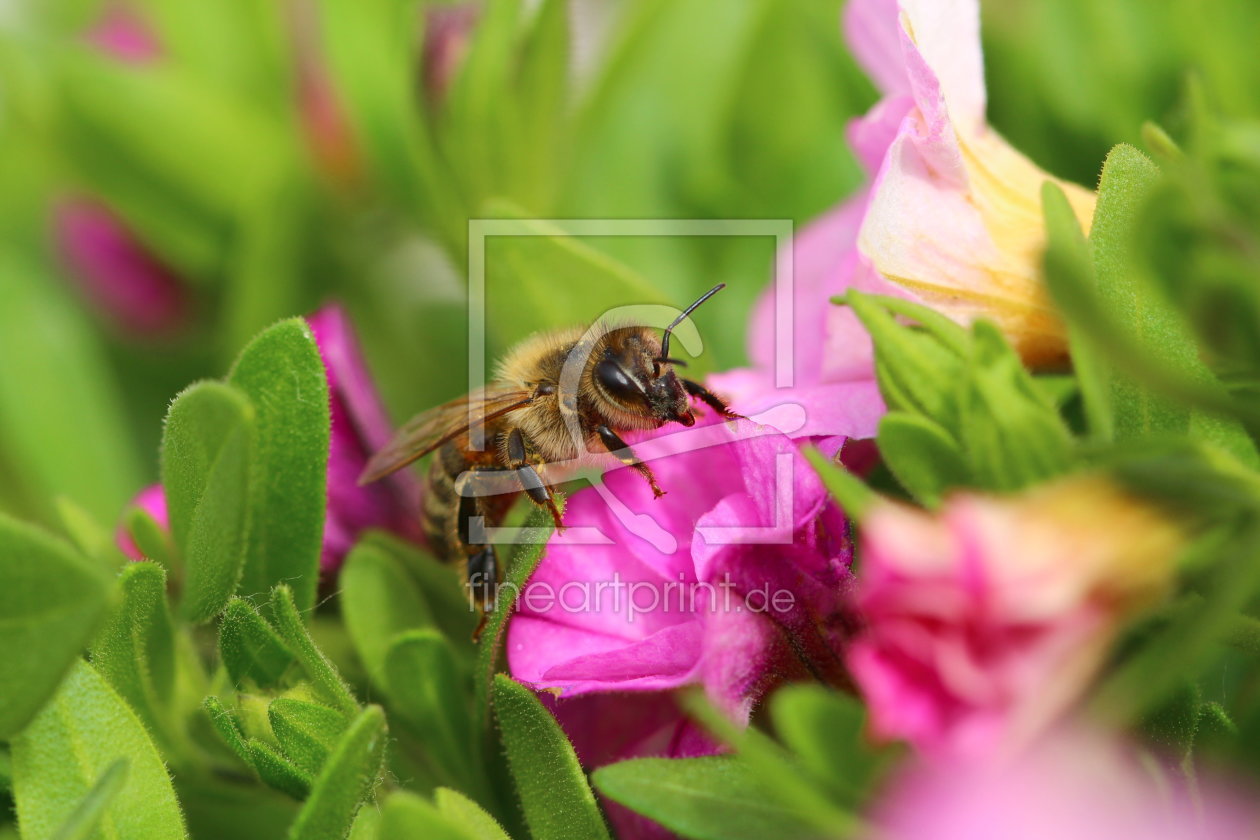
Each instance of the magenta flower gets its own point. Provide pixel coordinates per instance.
(734, 580)
(607, 728)
(359, 428)
(153, 502)
(119, 275)
(1076, 784)
(985, 623)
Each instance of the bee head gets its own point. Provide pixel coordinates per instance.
(637, 372)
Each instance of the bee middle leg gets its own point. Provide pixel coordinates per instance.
(622, 451)
(482, 565)
(710, 399)
(531, 482)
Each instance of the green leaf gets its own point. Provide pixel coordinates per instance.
(441, 583)
(277, 770)
(922, 455)
(918, 370)
(540, 102)
(207, 447)
(49, 400)
(474, 819)
(346, 780)
(825, 731)
(528, 260)
(712, 798)
(1127, 179)
(318, 667)
(1011, 435)
(1069, 265)
(152, 539)
(83, 823)
(135, 650)
(556, 798)
(847, 489)
(249, 648)
(430, 695)
(225, 724)
(378, 601)
(51, 598)
(88, 535)
(71, 743)
(520, 568)
(283, 376)
(410, 817)
(307, 732)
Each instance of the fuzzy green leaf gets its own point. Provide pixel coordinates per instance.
(51, 598)
(83, 822)
(318, 667)
(347, 779)
(430, 695)
(207, 447)
(277, 770)
(917, 369)
(152, 539)
(472, 817)
(307, 732)
(227, 728)
(135, 650)
(849, 491)
(410, 817)
(249, 647)
(1127, 179)
(715, 798)
(283, 375)
(524, 561)
(441, 583)
(554, 792)
(378, 601)
(1069, 265)
(922, 455)
(77, 737)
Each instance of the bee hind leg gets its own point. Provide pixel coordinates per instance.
(531, 482)
(623, 453)
(710, 399)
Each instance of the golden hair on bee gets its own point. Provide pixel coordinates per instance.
(558, 398)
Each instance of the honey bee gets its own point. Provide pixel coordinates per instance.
(557, 398)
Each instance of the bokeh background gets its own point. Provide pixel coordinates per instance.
(177, 174)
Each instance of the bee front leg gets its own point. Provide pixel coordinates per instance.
(621, 450)
(531, 482)
(710, 399)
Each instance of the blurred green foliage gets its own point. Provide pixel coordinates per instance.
(274, 156)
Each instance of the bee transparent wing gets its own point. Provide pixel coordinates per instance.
(427, 431)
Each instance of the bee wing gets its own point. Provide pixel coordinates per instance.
(430, 429)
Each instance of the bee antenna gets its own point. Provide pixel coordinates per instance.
(682, 317)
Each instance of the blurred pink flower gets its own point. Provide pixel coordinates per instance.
(153, 502)
(359, 428)
(683, 590)
(984, 623)
(448, 32)
(1071, 784)
(116, 272)
(120, 32)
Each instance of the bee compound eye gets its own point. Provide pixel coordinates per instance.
(613, 378)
